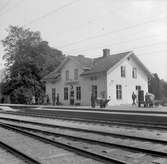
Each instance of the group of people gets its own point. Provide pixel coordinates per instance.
(148, 102)
(135, 100)
(101, 101)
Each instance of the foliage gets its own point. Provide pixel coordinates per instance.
(28, 58)
(158, 87)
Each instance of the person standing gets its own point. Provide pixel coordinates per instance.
(57, 100)
(53, 99)
(146, 100)
(93, 101)
(47, 100)
(133, 99)
(33, 100)
(72, 96)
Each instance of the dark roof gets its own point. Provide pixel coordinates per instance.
(96, 65)
(53, 75)
(84, 61)
(105, 63)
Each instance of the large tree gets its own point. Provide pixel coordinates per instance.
(28, 58)
(158, 87)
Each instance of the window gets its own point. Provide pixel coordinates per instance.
(134, 73)
(93, 78)
(138, 87)
(66, 93)
(75, 74)
(78, 93)
(94, 90)
(53, 93)
(119, 92)
(67, 75)
(123, 69)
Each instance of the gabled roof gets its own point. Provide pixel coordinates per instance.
(143, 67)
(105, 63)
(83, 61)
(98, 65)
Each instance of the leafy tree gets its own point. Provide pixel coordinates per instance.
(154, 86)
(163, 88)
(28, 58)
(158, 87)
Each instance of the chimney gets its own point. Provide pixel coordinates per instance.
(106, 52)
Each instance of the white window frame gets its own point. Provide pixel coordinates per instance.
(134, 73)
(65, 93)
(76, 74)
(78, 93)
(118, 92)
(123, 71)
(67, 75)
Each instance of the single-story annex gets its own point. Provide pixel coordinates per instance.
(112, 76)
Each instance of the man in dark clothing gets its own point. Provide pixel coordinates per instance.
(47, 99)
(72, 96)
(133, 98)
(57, 100)
(93, 101)
(146, 100)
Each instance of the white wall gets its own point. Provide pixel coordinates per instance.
(84, 82)
(128, 83)
(103, 83)
(59, 85)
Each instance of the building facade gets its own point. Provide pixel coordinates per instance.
(114, 77)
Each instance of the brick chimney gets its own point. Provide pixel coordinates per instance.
(106, 52)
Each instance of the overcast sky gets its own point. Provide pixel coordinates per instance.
(87, 26)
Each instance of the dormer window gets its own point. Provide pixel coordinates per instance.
(123, 71)
(67, 75)
(75, 74)
(134, 73)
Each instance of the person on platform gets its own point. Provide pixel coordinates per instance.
(47, 100)
(133, 99)
(57, 100)
(53, 99)
(33, 100)
(146, 100)
(93, 101)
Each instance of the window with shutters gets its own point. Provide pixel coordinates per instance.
(119, 92)
(65, 93)
(123, 71)
(78, 93)
(134, 73)
(75, 74)
(67, 75)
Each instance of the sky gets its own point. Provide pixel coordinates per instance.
(87, 26)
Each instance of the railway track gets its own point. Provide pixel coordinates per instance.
(111, 122)
(52, 154)
(86, 130)
(18, 154)
(66, 145)
(104, 142)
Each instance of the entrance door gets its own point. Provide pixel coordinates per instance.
(72, 96)
(94, 91)
(53, 96)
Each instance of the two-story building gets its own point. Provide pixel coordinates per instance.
(114, 76)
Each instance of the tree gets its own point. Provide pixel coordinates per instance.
(28, 58)
(158, 87)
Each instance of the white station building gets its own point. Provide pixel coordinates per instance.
(114, 76)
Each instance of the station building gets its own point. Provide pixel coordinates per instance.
(114, 77)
